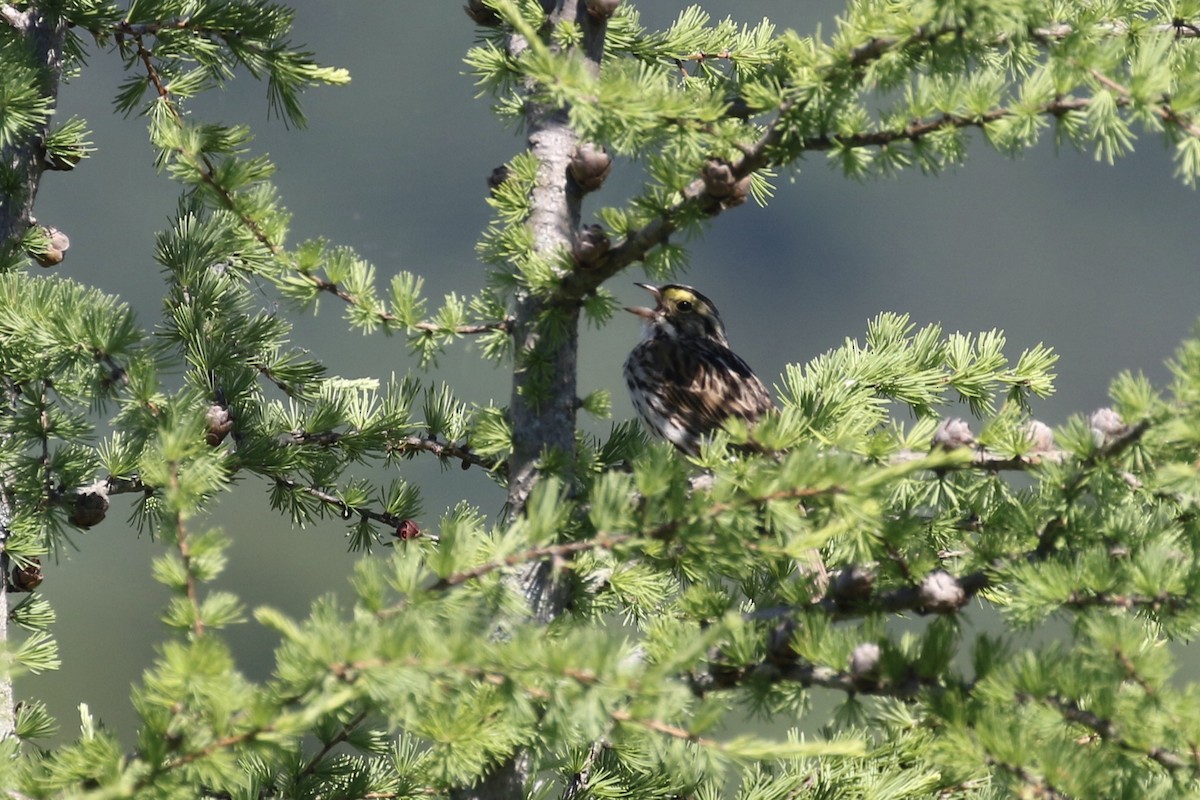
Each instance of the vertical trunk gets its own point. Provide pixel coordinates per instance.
(44, 36)
(8, 722)
(548, 424)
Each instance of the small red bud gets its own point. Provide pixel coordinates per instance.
(407, 530)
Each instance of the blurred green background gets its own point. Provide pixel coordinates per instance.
(1096, 261)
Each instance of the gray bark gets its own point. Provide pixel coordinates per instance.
(549, 424)
(8, 721)
(45, 37)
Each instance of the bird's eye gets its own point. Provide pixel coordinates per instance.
(684, 305)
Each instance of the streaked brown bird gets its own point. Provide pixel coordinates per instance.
(684, 379)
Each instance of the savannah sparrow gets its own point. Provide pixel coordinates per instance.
(683, 378)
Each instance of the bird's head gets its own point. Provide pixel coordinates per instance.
(680, 312)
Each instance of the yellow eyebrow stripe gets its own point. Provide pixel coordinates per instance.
(675, 295)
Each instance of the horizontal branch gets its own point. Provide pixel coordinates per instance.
(808, 675)
(1163, 601)
(939, 593)
(550, 551)
(444, 450)
(388, 318)
(1179, 28)
(347, 511)
(920, 129)
(987, 460)
(695, 200)
(152, 27)
(876, 48)
(1108, 730)
(607, 540)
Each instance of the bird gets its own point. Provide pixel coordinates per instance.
(684, 379)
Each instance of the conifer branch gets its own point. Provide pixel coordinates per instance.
(207, 172)
(1162, 108)
(1108, 730)
(876, 48)
(1179, 28)
(608, 540)
(533, 554)
(185, 556)
(413, 443)
(667, 729)
(1113, 448)
(201, 163)
(988, 461)
(1038, 787)
(41, 33)
(347, 511)
(579, 781)
(695, 199)
(444, 450)
(920, 129)
(387, 318)
(785, 667)
(347, 730)
(1163, 601)
(268, 373)
(127, 28)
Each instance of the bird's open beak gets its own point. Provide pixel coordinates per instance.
(646, 313)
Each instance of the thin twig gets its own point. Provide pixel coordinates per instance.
(1108, 730)
(607, 541)
(579, 781)
(553, 551)
(185, 555)
(342, 735)
(347, 511)
(443, 450)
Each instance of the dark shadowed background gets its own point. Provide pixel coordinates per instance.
(1096, 261)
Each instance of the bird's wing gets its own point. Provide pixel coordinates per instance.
(715, 383)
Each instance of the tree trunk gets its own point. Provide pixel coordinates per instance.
(44, 37)
(548, 425)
